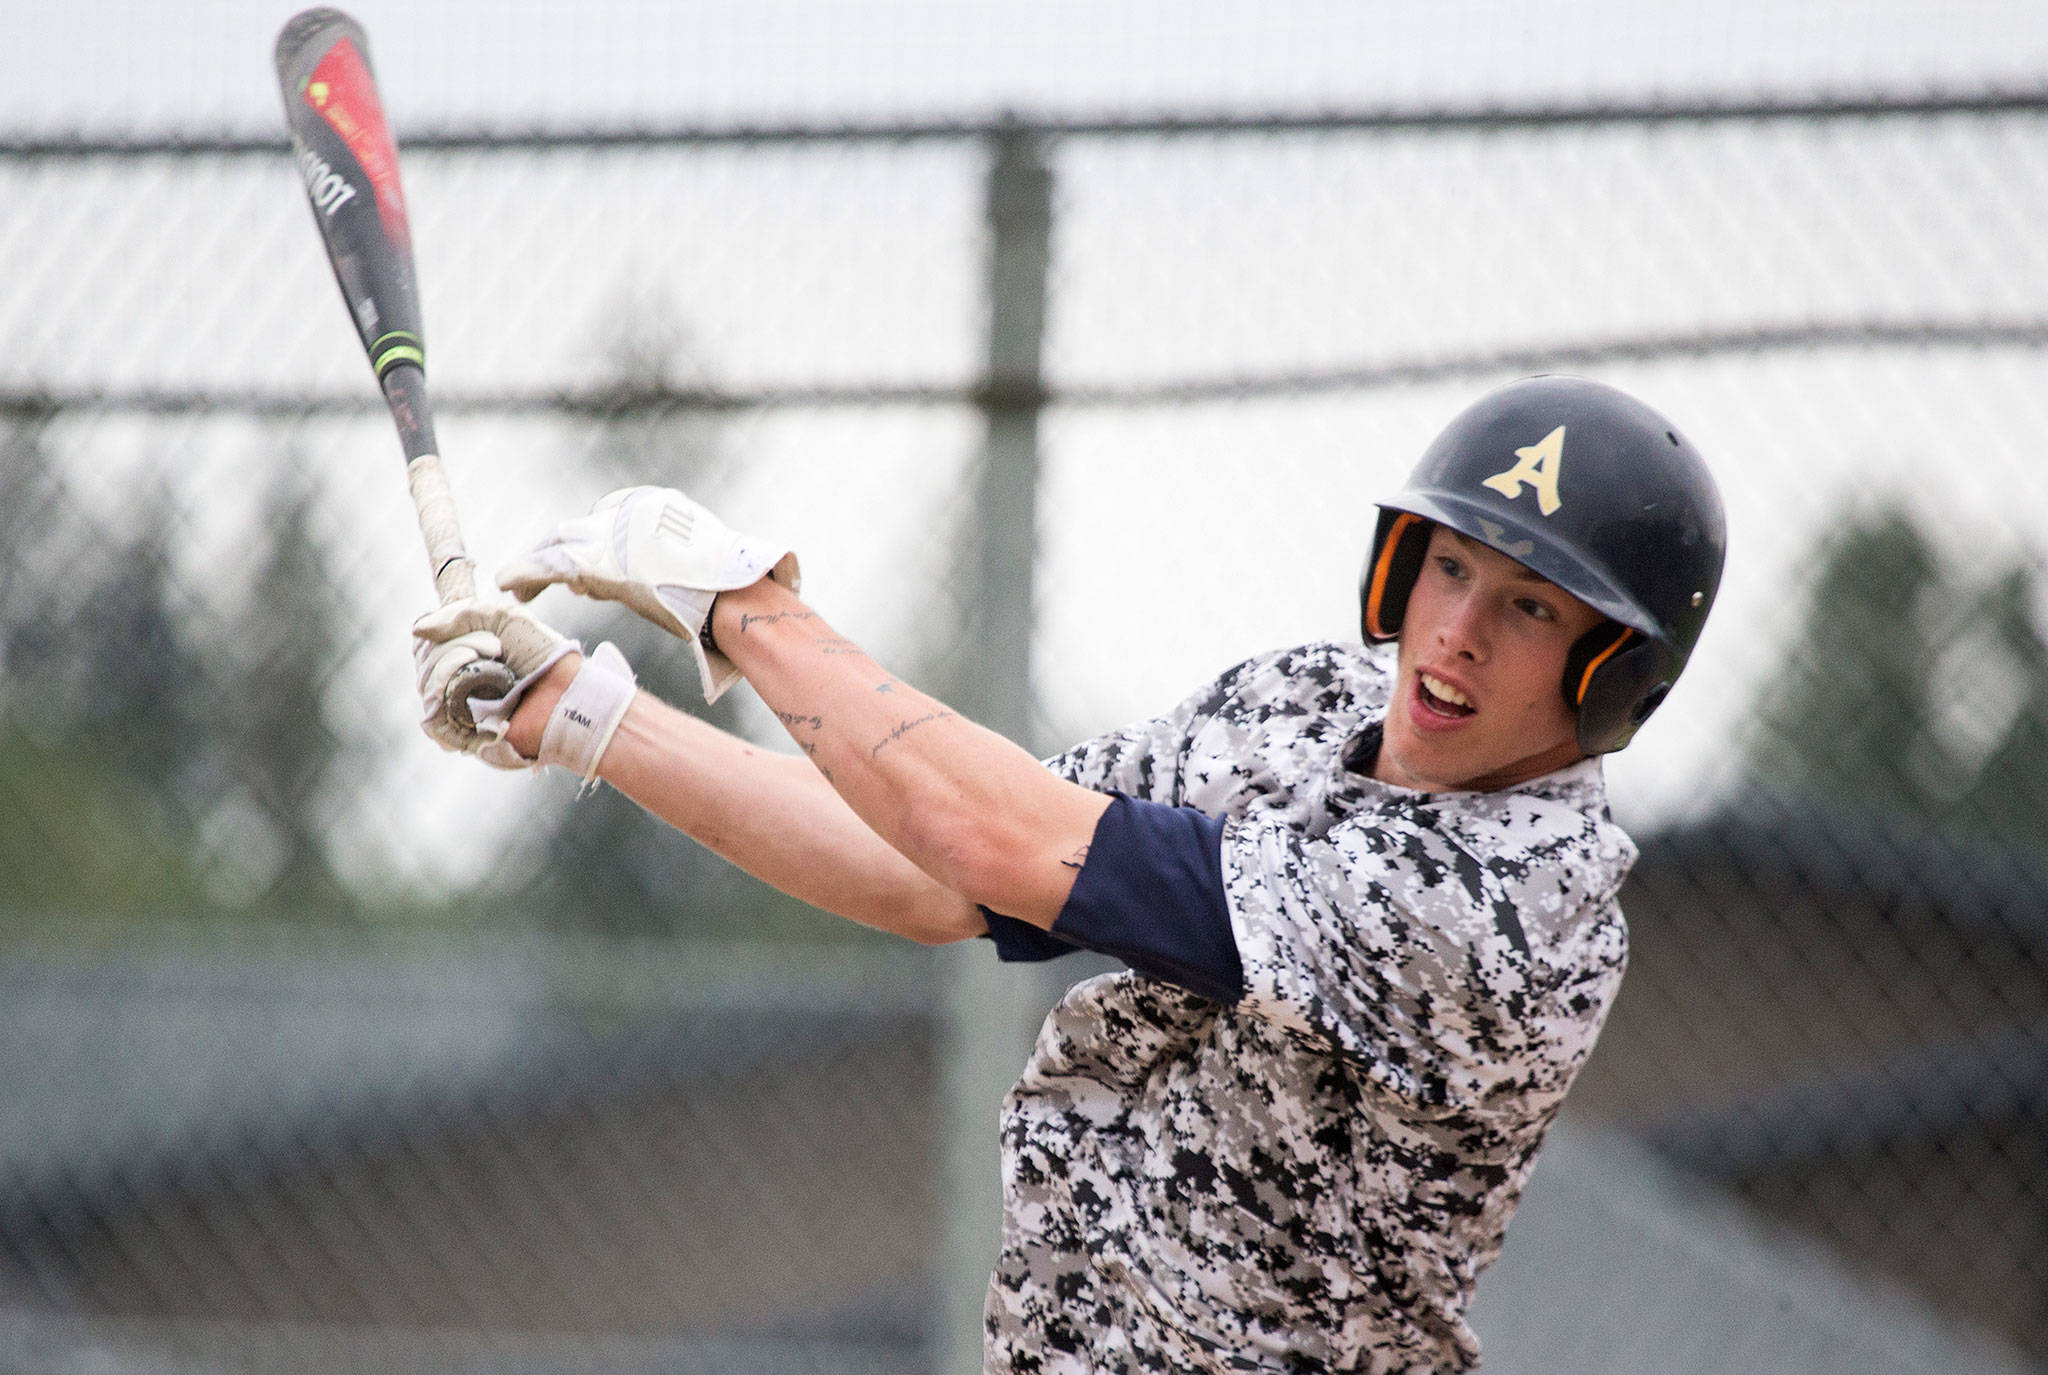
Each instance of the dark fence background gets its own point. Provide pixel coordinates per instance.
(325, 1049)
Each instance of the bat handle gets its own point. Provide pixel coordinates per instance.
(454, 580)
(454, 571)
(434, 502)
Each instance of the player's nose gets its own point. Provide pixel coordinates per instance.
(1462, 631)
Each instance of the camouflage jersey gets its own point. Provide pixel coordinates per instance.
(1310, 1179)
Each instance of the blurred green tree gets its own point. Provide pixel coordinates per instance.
(277, 749)
(2007, 794)
(1848, 717)
(1914, 686)
(103, 698)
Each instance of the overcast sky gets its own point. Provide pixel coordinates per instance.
(122, 65)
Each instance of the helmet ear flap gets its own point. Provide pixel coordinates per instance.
(1397, 553)
(1614, 677)
(1588, 653)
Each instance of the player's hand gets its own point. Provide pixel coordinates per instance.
(660, 553)
(448, 640)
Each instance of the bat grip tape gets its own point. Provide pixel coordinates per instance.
(454, 574)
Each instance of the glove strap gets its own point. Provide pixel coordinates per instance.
(588, 714)
(704, 636)
(697, 605)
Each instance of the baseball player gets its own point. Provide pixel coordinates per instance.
(1366, 893)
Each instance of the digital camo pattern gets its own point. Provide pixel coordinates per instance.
(1312, 1179)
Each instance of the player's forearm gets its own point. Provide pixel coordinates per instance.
(770, 814)
(967, 806)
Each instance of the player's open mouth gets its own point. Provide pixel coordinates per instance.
(1440, 697)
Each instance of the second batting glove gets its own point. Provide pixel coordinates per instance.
(660, 553)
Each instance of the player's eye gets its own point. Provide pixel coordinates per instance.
(1449, 566)
(1529, 606)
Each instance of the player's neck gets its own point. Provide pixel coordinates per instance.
(1369, 757)
(1561, 755)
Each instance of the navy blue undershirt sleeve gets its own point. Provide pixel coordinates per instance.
(1019, 941)
(1150, 894)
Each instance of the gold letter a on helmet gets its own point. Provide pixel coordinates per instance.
(1538, 466)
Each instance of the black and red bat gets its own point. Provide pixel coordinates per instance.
(349, 163)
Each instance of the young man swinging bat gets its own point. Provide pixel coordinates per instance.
(1366, 894)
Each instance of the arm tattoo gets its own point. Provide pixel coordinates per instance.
(793, 719)
(810, 749)
(904, 728)
(1076, 859)
(748, 621)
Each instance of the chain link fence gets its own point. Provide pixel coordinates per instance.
(326, 1050)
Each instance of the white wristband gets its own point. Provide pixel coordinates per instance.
(588, 714)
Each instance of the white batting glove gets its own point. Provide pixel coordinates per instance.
(448, 640)
(660, 553)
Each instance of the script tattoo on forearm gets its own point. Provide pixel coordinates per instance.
(810, 749)
(748, 620)
(1076, 859)
(796, 721)
(903, 728)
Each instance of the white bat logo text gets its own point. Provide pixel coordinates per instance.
(328, 188)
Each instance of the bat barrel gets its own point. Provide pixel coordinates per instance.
(349, 163)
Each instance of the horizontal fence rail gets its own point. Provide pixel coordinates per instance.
(615, 401)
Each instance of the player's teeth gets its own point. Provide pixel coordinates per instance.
(1439, 688)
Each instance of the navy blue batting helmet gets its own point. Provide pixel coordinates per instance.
(1589, 487)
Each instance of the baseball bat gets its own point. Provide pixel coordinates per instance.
(349, 163)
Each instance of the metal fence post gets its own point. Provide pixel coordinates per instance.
(994, 1012)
